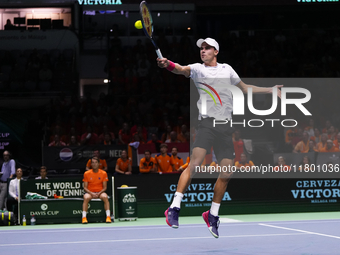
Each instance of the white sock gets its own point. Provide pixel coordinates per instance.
(214, 208)
(84, 214)
(177, 200)
(107, 213)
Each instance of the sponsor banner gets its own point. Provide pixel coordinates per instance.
(65, 187)
(77, 157)
(317, 191)
(161, 189)
(99, 2)
(61, 210)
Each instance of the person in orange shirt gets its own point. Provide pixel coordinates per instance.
(124, 164)
(321, 145)
(57, 142)
(102, 162)
(181, 168)
(107, 139)
(244, 161)
(282, 167)
(238, 145)
(302, 146)
(305, 165)
(310, 128)
(89, 137)
(290, 134)
(337, 141)
(328, 124)
(331, 133)
(137, 138)
(147, 164)
(95, 184)
(317, 137)
(166, 135)
(312, 147)
(175, 161)
(163, 160)
(330, 147)
(101, 138)
(154, 139)
(124, 136)
(173, 138)
(181, 136)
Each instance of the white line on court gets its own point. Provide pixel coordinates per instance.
(144, 240)
(299, 230)
(127, 228)
(303, 222)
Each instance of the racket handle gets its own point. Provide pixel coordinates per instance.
(159, 54)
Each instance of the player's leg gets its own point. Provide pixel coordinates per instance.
(211, 216)
(105, 199)
(172, 212)
(197, 158)
(224, 152)
(222, 182)
(87, 199)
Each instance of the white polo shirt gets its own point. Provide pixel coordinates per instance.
(216, 99)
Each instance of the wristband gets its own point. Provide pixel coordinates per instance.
(171, 66)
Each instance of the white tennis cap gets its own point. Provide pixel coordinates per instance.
(210, 41)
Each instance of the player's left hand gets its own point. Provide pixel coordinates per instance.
(278, 90)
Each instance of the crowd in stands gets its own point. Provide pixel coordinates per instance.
(303, 139)
(36, 70)
(150, 105)
(307, 51)
(147, 104)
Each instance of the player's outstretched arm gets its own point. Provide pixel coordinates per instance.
(173, 67)
(259, 90)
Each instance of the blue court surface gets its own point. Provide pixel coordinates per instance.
(289, 234)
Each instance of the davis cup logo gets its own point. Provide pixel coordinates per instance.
(66, 154)
(44, 207)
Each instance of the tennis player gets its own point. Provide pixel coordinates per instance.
(219, 137)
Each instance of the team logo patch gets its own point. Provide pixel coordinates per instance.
(66, 154)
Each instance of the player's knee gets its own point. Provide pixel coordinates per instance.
(87, 197)
(103, 196)
(194, 165)
(225, 176)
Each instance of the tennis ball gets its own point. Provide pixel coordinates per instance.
(138, 24)
(124, 186)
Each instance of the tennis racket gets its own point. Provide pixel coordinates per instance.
(148, 25)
